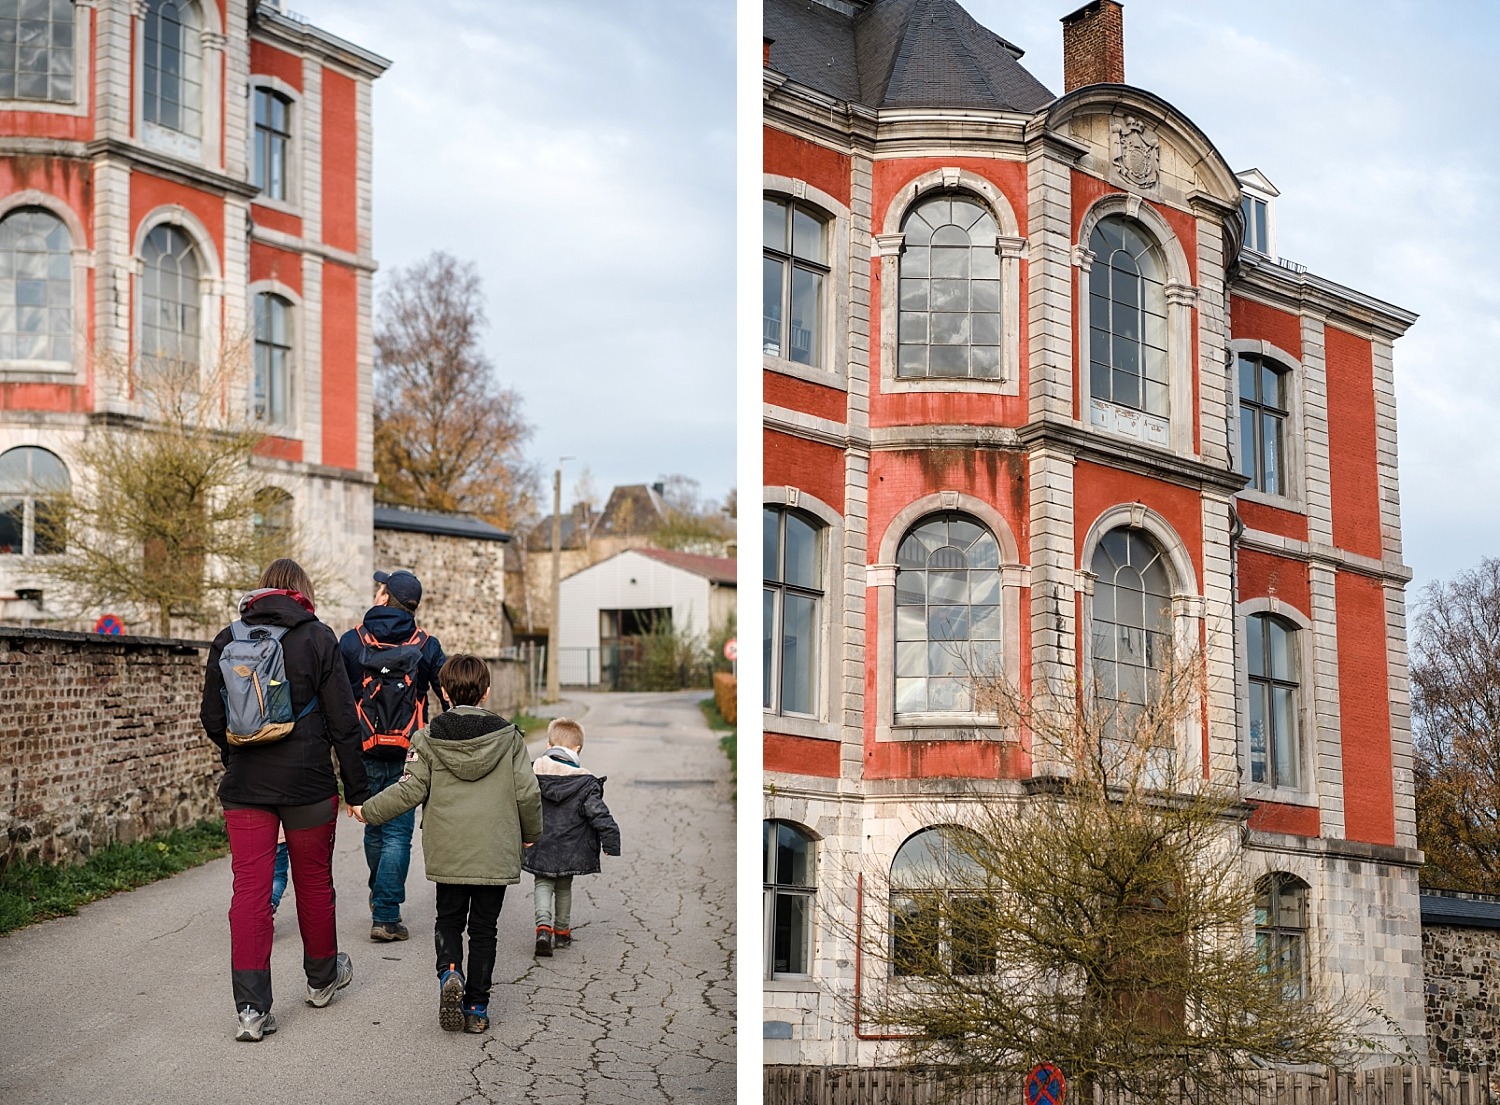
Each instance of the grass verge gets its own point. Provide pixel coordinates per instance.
(31, 892)
(728, 738)
(531, 725)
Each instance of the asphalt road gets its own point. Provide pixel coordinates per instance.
(129, 1002)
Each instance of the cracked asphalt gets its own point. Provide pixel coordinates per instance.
(129, 1002)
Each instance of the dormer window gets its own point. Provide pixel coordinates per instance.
(1259, 208)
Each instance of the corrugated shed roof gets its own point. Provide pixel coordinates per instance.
(1440, 909)
(720, 569)
(448, 525)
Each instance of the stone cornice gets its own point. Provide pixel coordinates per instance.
(170, 168)
(1325, 556)
(1264, 280)
(277, 29)
(1128, 456)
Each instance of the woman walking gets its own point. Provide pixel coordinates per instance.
(275, 698)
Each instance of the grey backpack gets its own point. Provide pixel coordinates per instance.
(257, 696)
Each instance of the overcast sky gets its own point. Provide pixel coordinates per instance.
(581, 152)
(1376, 121)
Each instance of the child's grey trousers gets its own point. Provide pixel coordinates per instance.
(554, 902)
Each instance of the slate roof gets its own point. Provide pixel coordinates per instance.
(426, 521)
(900, 53)
(1475, 912)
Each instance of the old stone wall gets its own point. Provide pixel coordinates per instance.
(463, 586)
(99, 741)
(1463, 994)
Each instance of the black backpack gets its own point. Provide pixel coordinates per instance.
(387, 703)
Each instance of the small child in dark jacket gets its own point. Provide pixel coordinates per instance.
(575, 823)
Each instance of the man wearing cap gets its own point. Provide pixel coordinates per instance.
(390, 625)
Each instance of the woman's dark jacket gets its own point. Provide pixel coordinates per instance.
(294, 771)
(575, 820)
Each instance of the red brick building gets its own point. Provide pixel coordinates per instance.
(1042, 397)
(188, 177)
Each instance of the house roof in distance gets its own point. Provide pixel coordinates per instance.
(899, 53)
(717, 569)
(1465, 911)
(431, 521)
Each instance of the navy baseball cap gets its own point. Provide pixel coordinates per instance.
(402, 585)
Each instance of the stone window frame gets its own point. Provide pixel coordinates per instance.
(1274, 875)
(834, 339)
(57, 372)
(1009, 244)
(1187, 604)
(1015, 578)
(83, 75)
(294, 420)
(210, 290)
(826, 724)
(797, 980)
(1181, 298)
(949, 892)
(1307, 793)
(29, 496)
(1294, 460)
(264, 82)
(207, 149)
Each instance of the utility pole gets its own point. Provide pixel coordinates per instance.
(554, 628)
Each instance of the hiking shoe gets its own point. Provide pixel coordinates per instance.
(254, 1025)
(388, 931)
(343, 972)
(562, 938)
(543, 941)
(451, 999)
(476, 1018)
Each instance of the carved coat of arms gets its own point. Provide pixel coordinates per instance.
(1137, 153)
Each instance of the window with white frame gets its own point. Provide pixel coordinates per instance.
(1264, 407)
(170, 299)
(31, 479)
(949, 323)
(273, 137)
(794, 281)
(1128, 362)
(1273, 666)
(1281, 931)
(789, 872)
(948, 625)
(36, 287)
(1256, 211)
(941, 919)
(172, 68)
(792, 606)
(271, 392)
(37, 60)
(1131, 642)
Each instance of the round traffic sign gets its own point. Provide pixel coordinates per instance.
(1045, 1085)
(731, 649)
(109, 625)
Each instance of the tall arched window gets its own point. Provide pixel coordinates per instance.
(1128, 319)
(792, 604)
(1281, 930)
(36, 51)
(947, 614)
(271, 400)
(794, 269)
(172, 69)
(1263, 415)
(1132, 639)
(170, 299)
(36, 287)
(950, 291)
(941, 920)
(273, 136)
(790, 878)
(30, 478)
(1272, 663)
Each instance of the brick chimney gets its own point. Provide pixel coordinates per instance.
(1094, 45)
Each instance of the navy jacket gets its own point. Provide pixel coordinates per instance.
(575, 821)
(391, 625)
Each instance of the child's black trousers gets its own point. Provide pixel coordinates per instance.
(478, 909)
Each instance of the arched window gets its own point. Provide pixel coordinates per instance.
(947, 614)
(272, 523)
(271, 400)
(1128, 319)
(36, 287)
(789, 871)
(1281, 930)
(30, 478)
(172, 67)
(1263, 415)
(792, 611)
(1271, 659)
(1132, 640)
(950, 291)
(36, 51)
(273, 136)
(170, 298)
(793, 272)
(941, 920)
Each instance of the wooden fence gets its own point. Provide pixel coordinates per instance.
(1397, 1085)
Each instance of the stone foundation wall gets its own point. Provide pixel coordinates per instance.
(99, 741)
(1463, 995)
(463, 587)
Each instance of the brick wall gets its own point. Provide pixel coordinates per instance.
(99, 741)
(463, 586)
(1463, 994)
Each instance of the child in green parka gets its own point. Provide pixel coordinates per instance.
(469, 770)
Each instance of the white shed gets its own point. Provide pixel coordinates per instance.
(607, 607)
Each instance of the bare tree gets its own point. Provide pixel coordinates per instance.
(447, 436)
(1099, 918)
(691, 522)
(1455, 680)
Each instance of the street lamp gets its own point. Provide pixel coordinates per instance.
(554, 629)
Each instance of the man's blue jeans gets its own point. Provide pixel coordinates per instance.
(388, 846)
